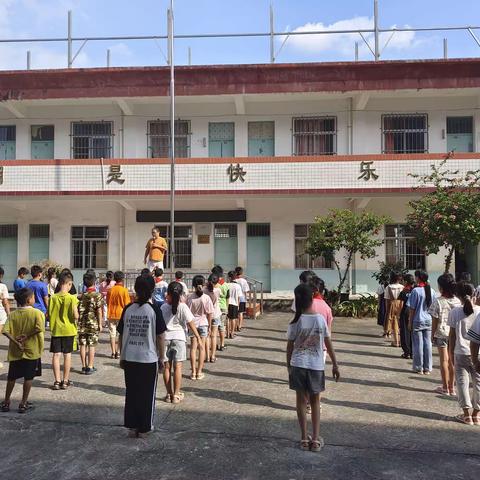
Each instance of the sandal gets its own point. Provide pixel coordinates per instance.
(317, 445)
(24, 407)
(112, 356)
(56, 385)
(305, 443)
(309, 409)
(5, 407)
(476, 420)
(441, 391)
(64, 385)
(176, 399)
(181, 395)
(193, 376)
(213, 359)
(168, 398)
(466, 419)
(200, 376)
(117, 356)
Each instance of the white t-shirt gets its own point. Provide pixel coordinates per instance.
(176, 324)
(235, 293)
(308, 335)
(462, 325)
(214, 296)
(244, 286)
(441, 308)
(3, 296)
(393, 291)
(474, 333)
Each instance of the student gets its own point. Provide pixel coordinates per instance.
(178, 318)
(307, 333)
(4, 301)
(393, 307)
(161, 286)
(382, 314)
(82, 288)
(222, 303)
(103, 288)
(63, 315)
(20, 282)
(73, 290)
(39, 288)
(306, 277)
(155, 250)
(405, 334)
(117, 299)
(90, 312)
(420, 323)
(145, 272)
(179, 279)
(319, 305)
(242, 307)
(440, 310)
(213, 291)
(142, 349)
(52, 281)
(202, 309)
(461, 320)
(234, 295)
(24, 329)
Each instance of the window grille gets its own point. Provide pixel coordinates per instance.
(92, 139)
(8, 231)
(39, 231)
(315, 136)
(159, 139)
(258, 230)
(401, 246)
(89, 247)
(8, 133)
(459, 125)
(42, 133)
(303, 260)
(226, 230)
(183, 245)
(405, 133)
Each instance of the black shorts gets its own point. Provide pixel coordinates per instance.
(306, 380)
(27, 369)
(232, 312)
(242, 308)
(61, 344)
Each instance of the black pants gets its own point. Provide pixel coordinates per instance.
(405, 334)
(141, 386)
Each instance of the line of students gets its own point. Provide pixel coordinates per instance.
(416, 317)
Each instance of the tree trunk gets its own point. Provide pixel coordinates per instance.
(448, 259)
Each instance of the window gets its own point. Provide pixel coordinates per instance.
(460, 134)
(8, 136)
(89, 247)
(42, 141)
(315, 136)
(92, 139)
(39, 244)
(261, 139)
(405, 133)
(303, 260)
(159, 139)
(226, 230)
(183, 245)
(401, 246)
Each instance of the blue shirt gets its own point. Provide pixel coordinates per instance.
(41, 291)
(160, 292)
(18, 284)
(416, 301)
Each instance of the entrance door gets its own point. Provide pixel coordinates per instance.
(258, 253)
(39, 245)
(221, 139)
(226, 246)
(8, 253)
(261, 137)
(460, 134)
(42, 141)
(7, 142)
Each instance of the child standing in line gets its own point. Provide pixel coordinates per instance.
(39, 288)
(381, 315)
(420, 323)
(4, 301)
(52, 281)
(393, 307)
(319, 305)
(234, 295)
(63, 315)
(461, 320)
(178, 318)
(24, 329)
(73, 290)
(117, 299)
(213, 291)
(20, 282)
(440, 310)
(242, 307)
(103, 288)
(90, 312)
(405, 334)
(202, 308)
(222, 303)
(307, 333)
(160, 291)
(179, 279)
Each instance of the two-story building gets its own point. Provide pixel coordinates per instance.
(261, 150)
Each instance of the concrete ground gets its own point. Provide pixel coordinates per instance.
(380, 421)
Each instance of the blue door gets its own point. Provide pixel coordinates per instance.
(258, 253)
(460, 134)
(221, 139)
(8, 253)
(261, 139)
(7, 142)
(226, 246)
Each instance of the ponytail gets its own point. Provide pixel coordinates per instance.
(303, 300)
(212, 281)
(422, 275)
(198, 283)
(465, 293)
(175, 291)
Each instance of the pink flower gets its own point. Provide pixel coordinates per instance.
(437, 216)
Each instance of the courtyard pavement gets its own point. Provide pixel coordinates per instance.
(379, 422)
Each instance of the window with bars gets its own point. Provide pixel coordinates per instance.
(315, 136)
(303, 260)
(92, 139)
(460, 134)
(183, 245)
(9, 231)
(89, 247)
(159, 138)
(405, 133)
(8, 135)
(227, 230)
(401, 246)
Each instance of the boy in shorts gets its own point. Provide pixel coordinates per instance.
(90, 312)
(63, 315)
(24, 329)
(117, 299)
(242, 307)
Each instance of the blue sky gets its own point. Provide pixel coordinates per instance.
(48, 18)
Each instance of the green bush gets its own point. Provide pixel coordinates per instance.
(364, 306)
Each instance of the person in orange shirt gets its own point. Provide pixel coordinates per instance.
(155, 250)
(117, 298)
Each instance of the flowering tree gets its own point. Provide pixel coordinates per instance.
(449, 216)
(348, 231)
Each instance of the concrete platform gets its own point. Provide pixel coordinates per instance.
(380, 422)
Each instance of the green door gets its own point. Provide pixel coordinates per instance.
(460, 134)
(226, 246)
(261, 138)
(42, 142)
(7, 142)
(8, 253)
(221, 139)
(258, 253)
(39, 245)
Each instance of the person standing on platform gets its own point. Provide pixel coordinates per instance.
(155, 250)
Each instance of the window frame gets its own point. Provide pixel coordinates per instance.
(327, 264)
(399, 238)
(90, 147)
(187, 136)
(333, 133)
(84, 239)
(425, 132)
(165, 233)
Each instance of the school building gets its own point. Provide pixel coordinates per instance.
(261, 151)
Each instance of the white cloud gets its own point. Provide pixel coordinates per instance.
(344, 43)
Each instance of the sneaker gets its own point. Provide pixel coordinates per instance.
(84, 370)
(88, 371)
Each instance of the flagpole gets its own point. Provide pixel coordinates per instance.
(172, 134)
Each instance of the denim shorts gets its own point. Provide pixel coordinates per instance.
(175, 351)
(202, 331)
(440, 342)
(306, 380)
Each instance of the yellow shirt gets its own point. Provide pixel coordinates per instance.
(61, 308)
(117, 299)
(24, 321)
(156, 248)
